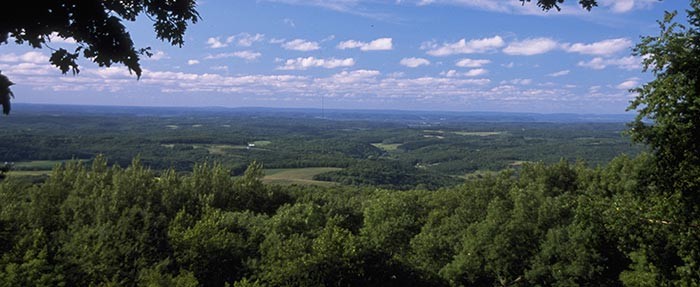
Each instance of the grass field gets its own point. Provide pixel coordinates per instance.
(21, 173)
(261, 143)
(518, 163)
(478, 134)
(221, 148)
(218, 148)
(301, 176)
(387, 147)
(38, 164)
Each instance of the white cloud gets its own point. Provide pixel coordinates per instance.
(465, 47)
(192, 62)
(329, 38)
(111, 72)
(345, 6)
(277, 41)
(628, 84)
(246, 55)
(470, 73)
(27, 69)
(560, 73)
(601, 48)
(451, 74)
(309, 62)
(289, 22)
(504, 6)
(301, 45)
(523, 82)
(28, 57)
(220, 68)
(158, 55)
(352, 86)
(242, 40)
(247, 40)
(414, 62)
(216, 42)
(626, 63)
(381, 44)
(472, 63)
(355, 76)
(475, 72)
(623, 6)
(531, 47)
(55, 38)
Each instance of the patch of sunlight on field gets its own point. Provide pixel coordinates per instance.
(38, 164)
(218, 148)
(172, 126)
(478, 134)
(387, 147)
(433, 136)
(300, 176)
(518, 163)
(21, 173)
(261, 143)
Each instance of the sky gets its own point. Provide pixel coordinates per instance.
(451, 55)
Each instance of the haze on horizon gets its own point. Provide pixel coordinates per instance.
(409, 55)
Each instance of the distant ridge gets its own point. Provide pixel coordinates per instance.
(405, 116)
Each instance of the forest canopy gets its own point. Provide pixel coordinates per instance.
(632, 222)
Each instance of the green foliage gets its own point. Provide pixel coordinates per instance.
(671, 99)
(5, 93)
(223, 136)
(158, 276)
(547, 5)
(547, 225)
(667, 121)
(387, 174)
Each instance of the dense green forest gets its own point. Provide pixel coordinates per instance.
(553, 225)
(402, 151)
(439, 203)
(422, 203)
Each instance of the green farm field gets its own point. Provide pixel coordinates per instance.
(301, 176)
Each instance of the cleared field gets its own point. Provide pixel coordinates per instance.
(261, 143)
(21, 173)
(38, 164)
(220, 148)
(478, 134)
(387, 147)
(519, 163)
(301, 176)
(433, 136)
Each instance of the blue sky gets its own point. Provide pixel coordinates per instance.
(455, 55)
